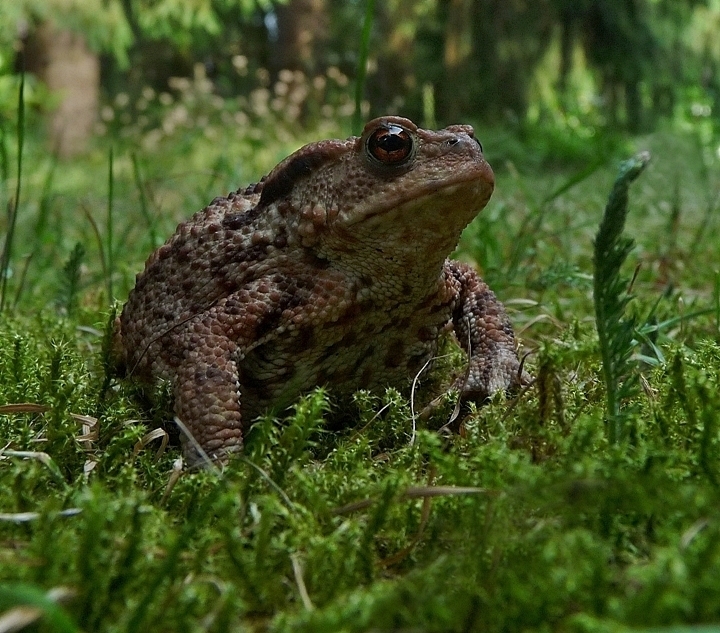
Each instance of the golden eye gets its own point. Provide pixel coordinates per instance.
(390, 145)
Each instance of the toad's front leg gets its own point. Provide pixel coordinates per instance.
(484, 331)
(206, 391)
(207, 384)
(207, 402)
(206, 381)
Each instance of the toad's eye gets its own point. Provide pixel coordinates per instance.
(390, 145)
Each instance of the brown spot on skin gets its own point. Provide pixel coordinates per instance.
(304, 339)
(366, 377)
(321, 378)
(237, 221)
(437, 308)
(280, 241)
(228, 262)
(347, 317)
(313, 262)
(351, 372)
(428, 301)
(259, 387)
(350, 339)
(293, 170)
(394, 357)
(331, 350)
(425, 334)
(268, 323)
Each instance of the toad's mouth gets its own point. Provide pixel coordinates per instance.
(463, 195)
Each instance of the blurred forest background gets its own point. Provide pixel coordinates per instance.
(184, 100)
(575, 69)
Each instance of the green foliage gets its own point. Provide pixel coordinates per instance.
(102, 22)
(113, 25)
(181, 21)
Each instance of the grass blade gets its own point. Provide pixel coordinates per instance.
(109, 227)
(13, 206)
(531, 225)
(137, 176)
(41, 604)
(4, 160)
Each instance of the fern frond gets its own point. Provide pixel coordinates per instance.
(611, 297)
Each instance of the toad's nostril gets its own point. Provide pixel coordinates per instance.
(476, 139)
(462, 141)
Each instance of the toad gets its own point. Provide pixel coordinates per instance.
(332, 270)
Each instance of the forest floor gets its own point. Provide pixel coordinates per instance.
(546, 512)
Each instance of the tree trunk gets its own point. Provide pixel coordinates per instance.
(453, 102)
(62, 60)
(394, 76)
(302, 25)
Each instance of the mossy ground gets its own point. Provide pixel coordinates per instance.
(528, 519)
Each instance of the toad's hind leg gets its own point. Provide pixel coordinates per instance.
(207, 402)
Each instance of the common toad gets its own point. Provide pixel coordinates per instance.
(330, 271)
